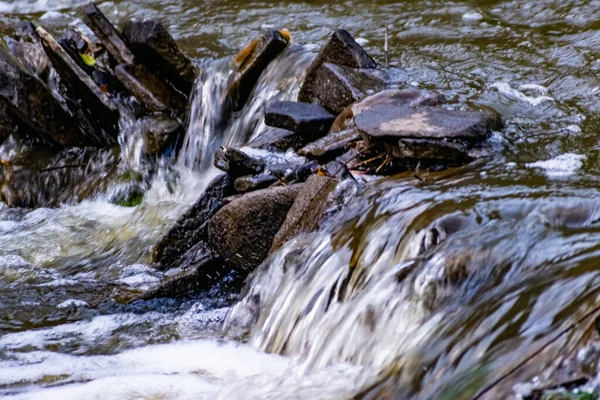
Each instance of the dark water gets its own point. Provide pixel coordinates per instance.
(518, 262)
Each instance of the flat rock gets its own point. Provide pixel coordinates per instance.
(336, 87)
(97, 113)
(149, 89)
(191, 228)
(307, 210)
(331, 144)
(34, 104)
(107, 34)
(242, 232)
(400, 121)
(154, 47)
(430, 149)
(278, 139)
(304, 119)
(250, 64)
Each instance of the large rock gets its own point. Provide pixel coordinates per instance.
(250, 64)
(401, 121)
(242, 232)
(310, 120)
(107, 34)
(154, 47)
(96, 112)
(307, 210)
(152, 92)
(336, 87)
(35, 105)
(191, 228)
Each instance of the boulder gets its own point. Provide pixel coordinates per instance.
(33, 103)
(191, 228)
(304, 119)
(160, 132)
(107, 34)
(27, 47)
(330, 145)
(401, 121)
(336, 87)
(97, 113)
(152, 92)
(153, 46)
(242, 232)
(307, 210)
(250, 64)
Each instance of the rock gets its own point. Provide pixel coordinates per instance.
(97, 113)
(307, 210)
(153, 93)
(342, 49)
(35, 105)
(250, 64)
(155, 48)
(11, 124)
(191, 228)
(336, 87)
(278, 139)
(431, 149)
(107, 34)
(160, 132)
(242, 232)
(310, 120)
(248, 183)
(200, 270)
(238, 163)
(27, 47)
(400, 121)
(330, 145)
(75, 45)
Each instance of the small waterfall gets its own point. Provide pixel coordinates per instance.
(211, 123)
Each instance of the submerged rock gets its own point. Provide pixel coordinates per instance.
(155, 48)
(107, 34)
(191, 228)
(242, 232)
(96, 112)
(250, 64)
(309, 120)
(160, 132)
(307, 210)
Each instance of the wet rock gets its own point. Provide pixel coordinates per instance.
(107, 34)
(152, 92)
(330, 145)
(154, 46)
(238, 163)
(430, 149)
(75, 45)
(11, 124)
(278, 139)
(96, 112)
(191, 228)
(399, 121)
(307, 210)
(160, 132)
(310, 120)
(250, 64)
(242, 232)
(200, 270)
(27, 47)
(248, 183)
(35, 105)
(336, 87)
(342, 49)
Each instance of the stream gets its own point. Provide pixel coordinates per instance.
(367, 305)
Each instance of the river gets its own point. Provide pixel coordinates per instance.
(521, 223)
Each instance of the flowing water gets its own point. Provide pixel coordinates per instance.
(426, 286)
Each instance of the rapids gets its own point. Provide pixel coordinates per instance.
(432, 283)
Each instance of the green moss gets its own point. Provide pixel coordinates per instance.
(132, 201)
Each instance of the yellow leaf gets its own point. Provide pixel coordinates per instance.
(88, 60)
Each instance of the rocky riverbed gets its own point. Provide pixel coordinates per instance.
(358, 220)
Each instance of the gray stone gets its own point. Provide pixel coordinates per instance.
(253, 182)
(278, 139)
(400, 121)
(27, 47)
(160, 132)
(310, 120)
(35, 105)
(155, 48)
(96, 112)
(191, 228)
(431, 149)
(307, 210)
(152, 92)
(330, 145)
(336, 87)
(242, 232)
(341, 49)
(107, 34)
(238, 163)
(250, 64)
